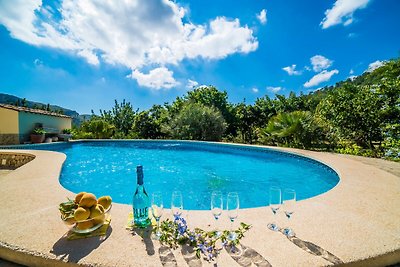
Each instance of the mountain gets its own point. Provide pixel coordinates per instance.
(77, 119)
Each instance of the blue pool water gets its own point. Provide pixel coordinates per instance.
(195, 168)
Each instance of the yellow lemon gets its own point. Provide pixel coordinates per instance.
(78, 197)
(105, 201)
(97, 214)
(81, 214)
(88, 200)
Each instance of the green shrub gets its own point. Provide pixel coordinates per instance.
(38, 131)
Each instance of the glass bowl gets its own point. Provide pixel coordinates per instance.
(88, 225)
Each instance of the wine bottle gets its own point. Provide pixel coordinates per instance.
(140, 202)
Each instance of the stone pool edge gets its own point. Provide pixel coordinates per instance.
(34, 173)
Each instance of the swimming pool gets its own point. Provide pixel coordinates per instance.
(195, 168)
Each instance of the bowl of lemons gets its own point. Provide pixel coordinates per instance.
(85, 213)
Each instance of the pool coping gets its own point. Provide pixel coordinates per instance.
(357, 220)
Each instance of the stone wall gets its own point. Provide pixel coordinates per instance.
(9, 139)
(12, 161)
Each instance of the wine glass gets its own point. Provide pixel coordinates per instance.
(275, 196)
(289, 202)
(157, 208)
(177, 203)
(216, 207)
(233, 210)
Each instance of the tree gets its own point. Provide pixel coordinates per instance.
(197, 122)
(297, 129)
(146, 126)
(210, 96)
(121, 116)
(245, 122)
(97, 128)
(353, 113)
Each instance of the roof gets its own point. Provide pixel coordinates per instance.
(32, 110)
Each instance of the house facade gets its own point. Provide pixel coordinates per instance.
(17, 123)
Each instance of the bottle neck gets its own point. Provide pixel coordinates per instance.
(140, 179)
(139, 171)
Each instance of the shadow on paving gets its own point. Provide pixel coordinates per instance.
(246, 256)
(72, 251)
(167, 258)
(315, 250)
(145, 234)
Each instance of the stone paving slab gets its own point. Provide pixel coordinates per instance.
(356, 222)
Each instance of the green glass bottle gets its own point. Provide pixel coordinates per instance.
(141, 202)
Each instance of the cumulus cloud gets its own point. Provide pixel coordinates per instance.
(254, 90)
(90, 57)
(321, 77)
(342, 12)
(291, 70)
(262, 17)
(134, 33)
(374, 65)
(156, 79)
(274, 89)
(191, 84)
(320, 63)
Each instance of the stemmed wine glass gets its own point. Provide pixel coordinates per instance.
(216, 207)
(233, 210)
(275, 196)
(177, 203)
(157, 208)
(289, 202)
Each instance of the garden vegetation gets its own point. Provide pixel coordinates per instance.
(359, 116)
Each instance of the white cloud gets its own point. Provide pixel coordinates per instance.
(321, 77)
(262, 17)
(255, 90)
(320, 63)
(156, 79)
(351, 72)
(38, 62)
(342, 12)
(90, 57)
(134, 33)
(191, 84)
(274, 89)
(374, 65)
(291, 70)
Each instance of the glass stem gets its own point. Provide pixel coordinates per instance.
(158, 227)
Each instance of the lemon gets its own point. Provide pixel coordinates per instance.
(88, 200)
(105, 201)
(79, 196)
(81, 214)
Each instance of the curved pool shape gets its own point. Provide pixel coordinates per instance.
(195, 168)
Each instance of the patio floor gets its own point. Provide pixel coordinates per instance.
(355, 223)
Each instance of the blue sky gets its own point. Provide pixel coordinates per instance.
(84, 54)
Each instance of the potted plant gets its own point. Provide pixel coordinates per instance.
(38, 135)
(65, 135)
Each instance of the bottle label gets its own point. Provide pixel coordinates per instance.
(141, 213)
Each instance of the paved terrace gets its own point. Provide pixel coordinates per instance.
(357, 223)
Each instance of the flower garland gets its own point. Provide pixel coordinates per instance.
(176, 233)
